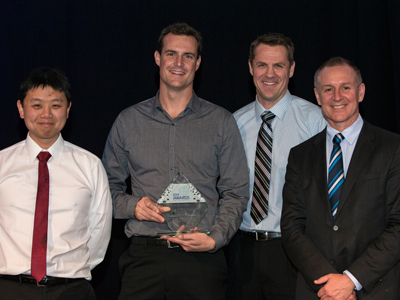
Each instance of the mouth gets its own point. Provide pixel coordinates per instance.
(338, 106)
(268, 83)
(46, 124)
(177, 72)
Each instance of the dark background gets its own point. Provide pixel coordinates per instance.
(106, 49)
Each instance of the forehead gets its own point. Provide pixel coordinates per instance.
(184, 43)
(273, 53)
(45, 93)
(337, 74)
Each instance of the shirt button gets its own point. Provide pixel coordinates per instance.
(335, 228)
(172, 168)
(172, 145)
(173, 124)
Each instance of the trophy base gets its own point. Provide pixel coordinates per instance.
(175, 233)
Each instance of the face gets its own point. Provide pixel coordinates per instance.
(339, 94)
(45, 112)
(178, 62)
(271, 72)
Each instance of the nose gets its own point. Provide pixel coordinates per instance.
(270, 72)
(178, 60)
(337, 95)
(46, 112)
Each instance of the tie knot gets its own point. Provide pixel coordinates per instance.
(44, 156)
(338, 138)
(267, 117)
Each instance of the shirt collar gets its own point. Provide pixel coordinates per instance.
(194, 104)
(350, 133)
(279, 109)
(34, 149)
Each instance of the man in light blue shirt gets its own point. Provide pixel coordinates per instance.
(259, 268)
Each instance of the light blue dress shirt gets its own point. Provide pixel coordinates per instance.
(296, 121)
(351, 135)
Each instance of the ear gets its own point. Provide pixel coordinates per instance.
(251, 68)
(291, 71)
(20, 109)
(69, 107)
(157, 57)
(317, 96)
(198, 62)
(361, 92)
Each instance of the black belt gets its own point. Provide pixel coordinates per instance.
(46, 281)
(141, 240)
(263, 235)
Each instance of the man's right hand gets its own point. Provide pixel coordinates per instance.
(147, 210)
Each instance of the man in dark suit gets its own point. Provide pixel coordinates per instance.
(345, 244)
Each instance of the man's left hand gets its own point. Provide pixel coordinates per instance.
(192, 242)
(337, 287)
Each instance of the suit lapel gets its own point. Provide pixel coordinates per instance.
(319, 168)
(360, 156)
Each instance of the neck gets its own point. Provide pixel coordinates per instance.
(174, 102)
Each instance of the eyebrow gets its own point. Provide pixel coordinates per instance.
(55, 99)
(174, 51)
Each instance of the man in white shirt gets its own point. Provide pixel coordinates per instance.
(259, 268)
(55, 216)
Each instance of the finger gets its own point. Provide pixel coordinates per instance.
(164, 209)
(322, 279)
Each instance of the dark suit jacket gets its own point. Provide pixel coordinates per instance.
(364, 238)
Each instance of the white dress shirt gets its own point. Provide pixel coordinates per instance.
(296, 121)
(80, 210)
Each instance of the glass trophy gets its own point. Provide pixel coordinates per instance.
(187, 205)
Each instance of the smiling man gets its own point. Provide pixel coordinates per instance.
(55, 204)
(341, 226)
(151, 142)
(270, 126)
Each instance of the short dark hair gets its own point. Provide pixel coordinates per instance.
(180, 29)
(273, 39)
(338, 61)
(42, 77)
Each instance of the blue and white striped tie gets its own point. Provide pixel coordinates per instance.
(335, 174)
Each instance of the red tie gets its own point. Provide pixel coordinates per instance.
(39, 243)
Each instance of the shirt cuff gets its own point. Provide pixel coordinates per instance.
(355, 281)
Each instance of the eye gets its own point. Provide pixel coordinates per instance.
(261, 65)
(36, 106)
(327, 90)
(279, 66)
(188, 56)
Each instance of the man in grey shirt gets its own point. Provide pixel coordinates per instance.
(151, 142)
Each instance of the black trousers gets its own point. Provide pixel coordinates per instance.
(77, 290)
(259, 270)
(156, 272)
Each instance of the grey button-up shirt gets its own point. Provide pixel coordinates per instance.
(203, 142)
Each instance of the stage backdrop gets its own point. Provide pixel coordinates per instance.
(106, 49)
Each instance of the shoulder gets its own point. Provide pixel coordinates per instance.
(304, 106)
(245, 114)
(379, 136)
(209, 107)
(79, 154)
(143, 107)
(306, 146)
(11, 151)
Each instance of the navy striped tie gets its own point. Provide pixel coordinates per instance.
(262, 170)
(336, 173)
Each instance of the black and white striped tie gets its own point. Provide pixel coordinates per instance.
(262, 170)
